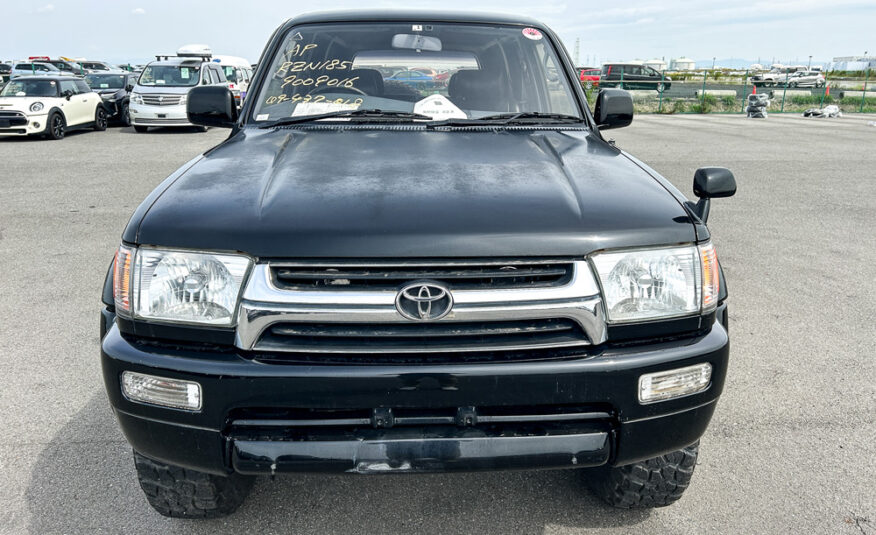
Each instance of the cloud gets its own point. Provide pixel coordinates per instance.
(46, 8)
(138, 11)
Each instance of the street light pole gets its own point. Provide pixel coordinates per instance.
(810, 64)
(713, 63)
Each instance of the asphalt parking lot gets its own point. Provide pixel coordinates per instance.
(791, 449)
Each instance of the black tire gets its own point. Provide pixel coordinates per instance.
(100, 119)
(141, 129)
(182, 493)
(793, 84)
(656, 482)
(125, 115)
(56, 126)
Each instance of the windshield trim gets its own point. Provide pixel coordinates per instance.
(261, 77)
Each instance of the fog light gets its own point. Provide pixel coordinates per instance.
(670, 384)
(36, 124)
(161, 391)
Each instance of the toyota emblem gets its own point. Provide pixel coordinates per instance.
(424, 301)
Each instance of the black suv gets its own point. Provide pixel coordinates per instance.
(114, 88)
(376, 278)
(633, 76)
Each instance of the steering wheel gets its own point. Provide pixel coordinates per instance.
(335, 89)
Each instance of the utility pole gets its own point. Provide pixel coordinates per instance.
(713, 63)
(810, 64)
(577, 51)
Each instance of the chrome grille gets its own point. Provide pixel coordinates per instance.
(9, 114)
(350, 309)
(161, 100)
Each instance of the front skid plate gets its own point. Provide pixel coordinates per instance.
(422, 455)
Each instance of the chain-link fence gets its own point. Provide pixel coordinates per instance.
(716, 91)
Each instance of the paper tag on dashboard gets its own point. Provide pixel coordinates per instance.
(316, 108)
(439, 107)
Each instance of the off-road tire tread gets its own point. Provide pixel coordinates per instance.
(656, 482)
(182, 493)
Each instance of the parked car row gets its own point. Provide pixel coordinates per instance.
(778, 78)
(625, 76)
(53, 101)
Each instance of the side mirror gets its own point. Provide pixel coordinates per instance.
(67, 94)
(614, 109)
(212, 105)
(129, 88)
(712, 183)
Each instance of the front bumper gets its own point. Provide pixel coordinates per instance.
(617, 429)
(144, 115)
(28, 125)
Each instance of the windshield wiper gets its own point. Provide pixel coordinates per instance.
(367, 114)
(530, 117)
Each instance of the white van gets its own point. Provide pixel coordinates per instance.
(159, 98)
(238, 72)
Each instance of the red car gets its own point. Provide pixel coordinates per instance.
(590, 77)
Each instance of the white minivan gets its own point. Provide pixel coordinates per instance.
(238, 72)
(159, 98)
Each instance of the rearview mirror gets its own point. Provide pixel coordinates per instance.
(711, 183)
(211, 106)
(614, 109)
(416, 42)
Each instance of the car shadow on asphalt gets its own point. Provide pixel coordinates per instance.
(84, 481)
(170, 130)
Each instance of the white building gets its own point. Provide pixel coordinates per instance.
(852, 63)
(657, 64)
(683, 64)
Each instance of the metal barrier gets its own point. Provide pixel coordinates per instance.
(717, 91)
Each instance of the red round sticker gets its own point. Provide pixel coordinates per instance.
(532, 33)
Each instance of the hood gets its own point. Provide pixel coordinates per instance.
(333, 193)
(23, 103)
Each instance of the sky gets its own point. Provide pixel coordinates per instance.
(787, 31)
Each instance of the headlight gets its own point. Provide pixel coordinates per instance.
(659, 283)
(136, 98)
(36, 106)
(178, 286)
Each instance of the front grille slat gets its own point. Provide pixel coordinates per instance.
(417, 330)
(497, 276)
(419, 338)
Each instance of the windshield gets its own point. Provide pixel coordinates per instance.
(170, 75)
(30, 88)
(106, 81)
(444, 71)
(36, 67)
(230, 73)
